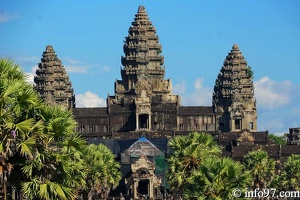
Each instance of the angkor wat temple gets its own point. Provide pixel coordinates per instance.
(143, 113)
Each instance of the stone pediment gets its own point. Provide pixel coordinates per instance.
(142, 147)
(144, 164)
(238, 110)
(245, 137)
(143, 88)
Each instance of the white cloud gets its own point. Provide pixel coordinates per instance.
(89, 99)
(30, 75)
(106, 69)
(200, 96)
(271, 94)
(198, 84)
(75, 66)
(179, 88)
(273, 124)
(72, 61)
(27, 59)
(278, 105)
(76, 69)
(4, 17)
(296, 110)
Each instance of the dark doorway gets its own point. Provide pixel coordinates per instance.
(143, 187)
(143, 121)
(237, 123)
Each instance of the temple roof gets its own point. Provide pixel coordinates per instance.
(86, 112)
(274, 151)
(143, 147)
(196, 110)
(260, 137)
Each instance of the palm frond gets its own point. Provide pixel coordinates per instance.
(27, 147)
(25, 126)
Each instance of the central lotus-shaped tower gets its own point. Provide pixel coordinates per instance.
(143, 82)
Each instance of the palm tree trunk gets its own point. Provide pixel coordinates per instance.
(91, 194)
(4, 190)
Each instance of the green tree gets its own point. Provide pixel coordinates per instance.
(103, 172)
(250, 72)
(262, 168)
(18, 127)
(278, 139)
(188, 154)
(216, 179)
(40, 155)
(58, 170)
(289, 178)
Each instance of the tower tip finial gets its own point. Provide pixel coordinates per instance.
(49, 48)
(235, 46)
(141, 9)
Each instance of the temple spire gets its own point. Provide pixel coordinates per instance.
(52, 81)
(142, 51)
(143, 83)
(233, 97)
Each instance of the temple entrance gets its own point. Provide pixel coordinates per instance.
(143, 187)
(143, 180)
(143, 121)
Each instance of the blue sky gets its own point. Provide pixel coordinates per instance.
(195, 35)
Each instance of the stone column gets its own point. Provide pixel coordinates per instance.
(137, 121)
(135, 188)
(232, 125)
(149, 121)
(150, 189)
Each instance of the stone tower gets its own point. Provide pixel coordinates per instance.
(233, 98)
(142, 74)
(142, 58)
(294, 136)
(52, 81)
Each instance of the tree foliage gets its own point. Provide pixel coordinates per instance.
(189, 152)
(289, 178)
(250, 72)
(282, 140)
(262, 168)
(196, 167)
(40, 153)
(102, 171)
(216, 179)
(58, 167)
(19, 128)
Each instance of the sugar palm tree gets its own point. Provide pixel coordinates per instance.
(289, 178)
(262, 168)
(103, 171)
(216, 178)
(188, 154)
(39, 151)
(17, 124)
(58, 171)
